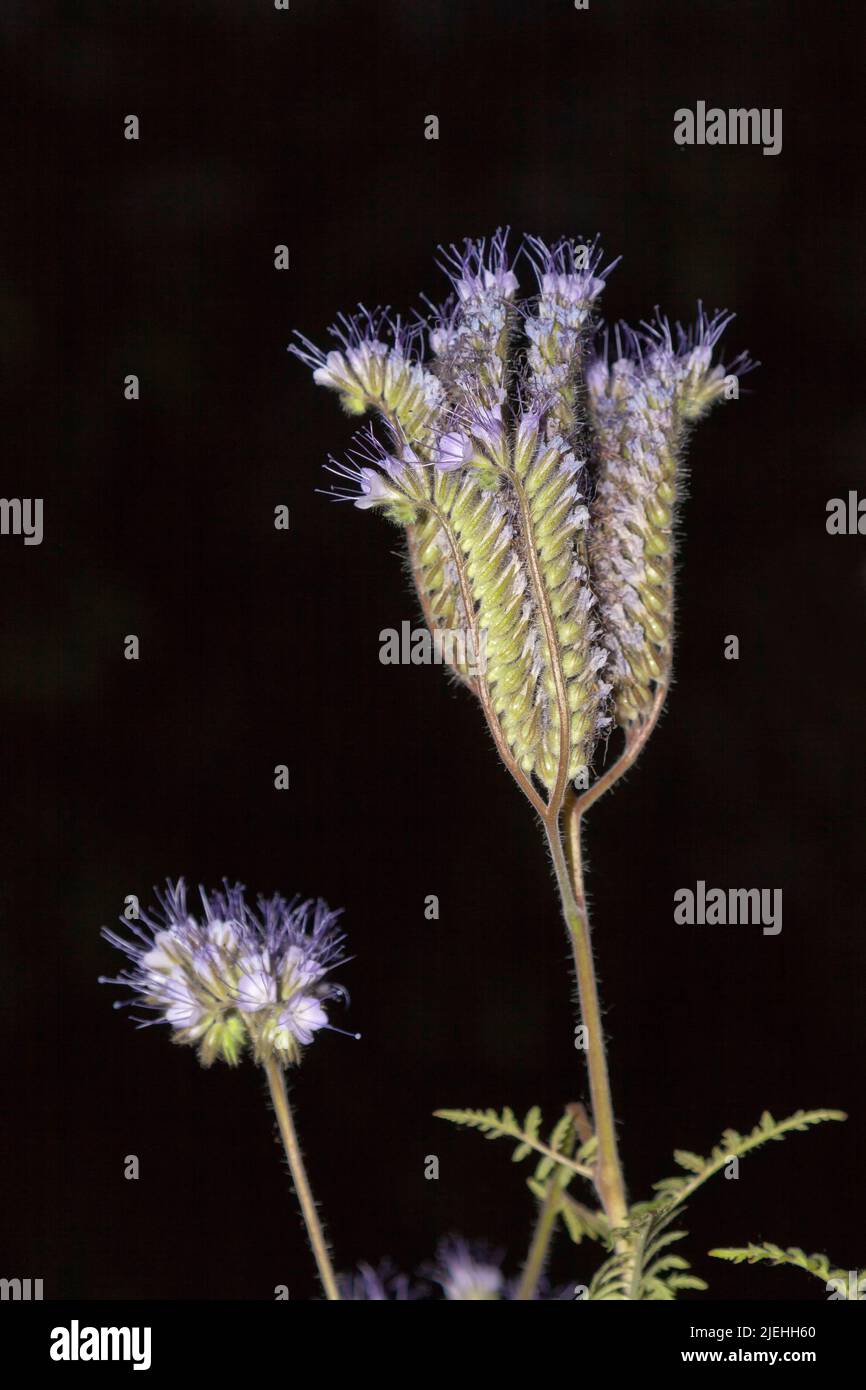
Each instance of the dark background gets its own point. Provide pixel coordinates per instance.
(260, 647)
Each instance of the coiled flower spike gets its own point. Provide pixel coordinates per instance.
(492, 492)
(641, 408)
(536, 487)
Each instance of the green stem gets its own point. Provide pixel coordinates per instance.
(608, 1170)
(288, 1134)
(634, 745)
(541, 1237)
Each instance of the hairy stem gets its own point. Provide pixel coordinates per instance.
(634, 744)
(288, 1134)
(541, 1237)
(608, 1170)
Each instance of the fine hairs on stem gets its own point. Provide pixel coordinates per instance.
(288, 1134)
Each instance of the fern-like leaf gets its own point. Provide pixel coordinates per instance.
(846, 1284)
(581, 1223)
(733, 1145)
(610, 1283)
(645, 1268)
(505, 1125)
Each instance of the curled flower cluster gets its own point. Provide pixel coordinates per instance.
(640, 407)
(236, 977)
(537, 483)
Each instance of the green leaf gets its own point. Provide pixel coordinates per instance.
(692, 1162)
(505, 1126)
(582, 1223)
(847, 1284)
(687, 1281)
(734, 1145)
(561, 1133)
(637, 1271)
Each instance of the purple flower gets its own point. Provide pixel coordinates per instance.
(467, 1272)
(480, 272)
(569, 275)
(234, 976)
(454, 450)
(378, 1285)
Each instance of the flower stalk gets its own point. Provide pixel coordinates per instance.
(607, 1172)
(288, 1134)
(540, 1244)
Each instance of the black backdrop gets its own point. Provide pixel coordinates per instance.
(259, 647)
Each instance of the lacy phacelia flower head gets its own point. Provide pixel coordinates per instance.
(234, 977)
(536, 484)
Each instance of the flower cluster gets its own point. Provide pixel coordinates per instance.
(537, 482)
(641, 406)
(235, 977)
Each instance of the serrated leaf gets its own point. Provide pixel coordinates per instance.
(505, 1126)
(687, 1281)
(532, 1122)
(560, 1133)
(586, 1152)
(667, 1262)
(579, 1221)
(658, 1242)
(849, 1284)
(693, 1163)
(734, 1145)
